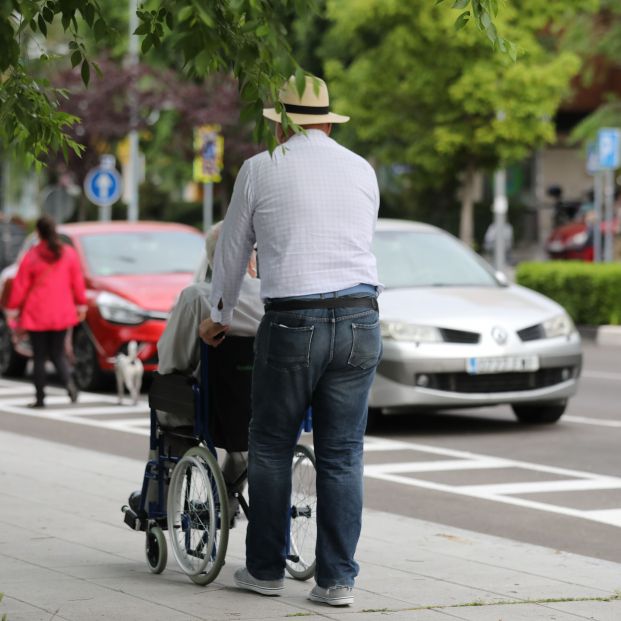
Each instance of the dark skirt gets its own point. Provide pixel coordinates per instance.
(229, 370)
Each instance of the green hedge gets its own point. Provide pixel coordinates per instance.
(590, 292)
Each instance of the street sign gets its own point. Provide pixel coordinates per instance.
(209, 150)
(609, 148)
(103, 185)
(592, 159)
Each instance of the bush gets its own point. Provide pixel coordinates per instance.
(590, 292)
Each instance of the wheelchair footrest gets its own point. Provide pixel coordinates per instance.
(132, 520)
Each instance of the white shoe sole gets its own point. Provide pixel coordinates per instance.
(252, 586)
(332, 601)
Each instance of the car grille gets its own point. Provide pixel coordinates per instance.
(532, 333)
(459, 336)
(496, 382)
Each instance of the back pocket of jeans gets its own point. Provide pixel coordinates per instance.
(289, 348)
(366, 346)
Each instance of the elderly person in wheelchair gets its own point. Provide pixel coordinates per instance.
(229, 371)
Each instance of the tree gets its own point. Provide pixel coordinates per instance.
(244, 37)
(439, 101)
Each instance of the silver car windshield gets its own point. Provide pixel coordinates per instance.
(145, 252)
(428, 259)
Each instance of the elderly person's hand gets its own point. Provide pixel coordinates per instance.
(211, 332)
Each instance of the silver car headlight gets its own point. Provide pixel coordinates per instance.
(402, 331)
(561, 325)
(116, 309)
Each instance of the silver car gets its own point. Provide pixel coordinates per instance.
(457, 334)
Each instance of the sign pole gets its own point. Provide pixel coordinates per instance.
(207, 206)
(597, 222)
(134, 162)
(609, 191)
(500, 218)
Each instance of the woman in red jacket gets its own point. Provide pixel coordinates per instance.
(48, 297)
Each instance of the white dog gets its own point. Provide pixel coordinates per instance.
(129, 370)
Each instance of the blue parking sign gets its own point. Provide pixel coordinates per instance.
(608, 148)
(103, 186)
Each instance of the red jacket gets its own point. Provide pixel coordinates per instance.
(46, 291)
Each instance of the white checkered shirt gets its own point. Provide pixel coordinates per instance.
(311, 211)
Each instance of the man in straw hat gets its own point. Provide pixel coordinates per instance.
(311, 207)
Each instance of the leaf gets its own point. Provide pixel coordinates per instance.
(85, 72)
(66, 20)
(460, 4)
(88, 11)
(48, 15)
(300, 80)
(76, 58)
(170, 22)
(142, 29)
(147, 44)
(462, 20)
(97, 68)
(42, 25)
(100, 29)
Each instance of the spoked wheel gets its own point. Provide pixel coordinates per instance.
(303, 524)
(198, 515)
(156, 550)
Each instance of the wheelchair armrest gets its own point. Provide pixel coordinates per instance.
(173, 393)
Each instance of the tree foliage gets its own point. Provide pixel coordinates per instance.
(246, 38)
(438, 100)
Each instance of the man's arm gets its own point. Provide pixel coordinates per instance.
(232, 250)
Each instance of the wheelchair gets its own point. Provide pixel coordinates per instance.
(186, 495)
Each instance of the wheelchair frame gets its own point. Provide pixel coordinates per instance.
(197, 514)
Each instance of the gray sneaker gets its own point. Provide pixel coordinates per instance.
(244, 580)
(337, 595)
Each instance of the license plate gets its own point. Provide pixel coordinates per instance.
(502, 364)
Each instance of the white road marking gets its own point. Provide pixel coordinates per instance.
(575, 480)
(602, 375)
(597, 422)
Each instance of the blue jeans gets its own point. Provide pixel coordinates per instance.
(325, 358)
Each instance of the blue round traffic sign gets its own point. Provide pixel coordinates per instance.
(103, 186)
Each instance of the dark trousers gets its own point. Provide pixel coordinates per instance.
(49, 344)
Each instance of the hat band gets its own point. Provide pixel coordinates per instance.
(306, 109)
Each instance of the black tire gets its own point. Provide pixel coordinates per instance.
(156, 550)
(540, 413)
(303, 523)
(87, 373)
(374, 419)
(11, 363)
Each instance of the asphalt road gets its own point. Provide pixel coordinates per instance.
(557, 486)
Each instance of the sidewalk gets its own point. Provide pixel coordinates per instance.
(66, 555)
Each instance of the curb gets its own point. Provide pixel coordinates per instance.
(606, 336)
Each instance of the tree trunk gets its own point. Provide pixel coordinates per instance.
(466, 220)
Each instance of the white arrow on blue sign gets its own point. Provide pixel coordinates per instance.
(103, 186)
(609, 148)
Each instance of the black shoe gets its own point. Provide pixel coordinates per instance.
(72, 389)
(36, 404)
(134, 501)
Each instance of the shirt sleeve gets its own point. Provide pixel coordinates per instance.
(77, 281)
(21, 283)
(178, 348)
(233, 249)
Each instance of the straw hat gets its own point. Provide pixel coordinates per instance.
(313, 107)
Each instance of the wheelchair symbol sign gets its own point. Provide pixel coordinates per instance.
(609, 147)
(103, 186)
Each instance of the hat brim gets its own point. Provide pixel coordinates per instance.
(305, 119)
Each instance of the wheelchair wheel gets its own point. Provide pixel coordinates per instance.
(303, 524)
(156, 550)
(198, 515)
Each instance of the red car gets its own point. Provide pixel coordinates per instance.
(134, 272)
(574, 240)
